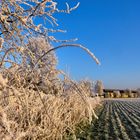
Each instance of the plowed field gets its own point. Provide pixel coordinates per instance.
(118, 120)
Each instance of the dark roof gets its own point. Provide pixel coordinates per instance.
(121, 90)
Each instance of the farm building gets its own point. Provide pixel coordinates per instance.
(120, 93)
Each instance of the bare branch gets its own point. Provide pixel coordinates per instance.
(69, 45)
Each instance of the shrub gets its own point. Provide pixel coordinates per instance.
(34, 102)
(30, 114)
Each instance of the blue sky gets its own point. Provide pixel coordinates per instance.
(110, 29)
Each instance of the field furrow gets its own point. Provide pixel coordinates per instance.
(131, 114)
(115, 125)
(129, 125)
(118, 120)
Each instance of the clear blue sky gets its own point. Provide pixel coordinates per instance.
(109, 28)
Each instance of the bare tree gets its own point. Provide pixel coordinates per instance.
(129, 93)
(117, 94)
(26, 48)
(99, 88)
(17, 23)
(138, 92)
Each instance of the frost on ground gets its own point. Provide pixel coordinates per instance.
(118, 120)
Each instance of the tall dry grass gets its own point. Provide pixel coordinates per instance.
(35, 103)
(30, 114)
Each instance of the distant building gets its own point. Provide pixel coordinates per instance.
(120, 93)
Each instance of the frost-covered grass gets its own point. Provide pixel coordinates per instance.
(31, 114)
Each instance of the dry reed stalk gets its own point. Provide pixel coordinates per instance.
(26, 112)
